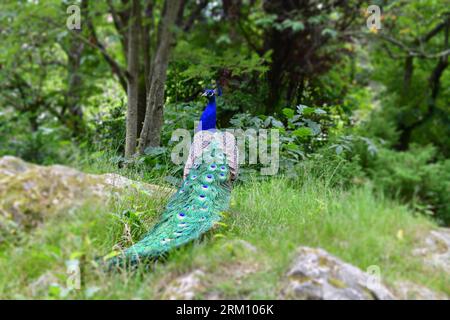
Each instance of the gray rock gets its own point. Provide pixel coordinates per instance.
(318, 275)
(29, 192)
(41, 285)
(406, 290)
(184, 287)
(435, 249)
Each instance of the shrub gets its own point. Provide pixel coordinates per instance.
(47, 144)
(414, 176)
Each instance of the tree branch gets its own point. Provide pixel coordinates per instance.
(432, 33)
(115, 67)
(413, 52)
(120, 25)
(192, 17)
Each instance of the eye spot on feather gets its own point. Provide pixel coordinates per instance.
(202, 197)
(213, 167)
(193, 177)
(223, 168)
(222, 176)
(165, 240)
(181, 215)
(205, 186)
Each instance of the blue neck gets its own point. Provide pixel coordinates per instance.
(208, 118)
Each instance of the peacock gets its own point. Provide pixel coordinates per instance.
(210, 170)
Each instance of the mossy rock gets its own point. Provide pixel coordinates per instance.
(318, 275)
(29, 194)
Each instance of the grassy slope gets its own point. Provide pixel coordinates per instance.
(274, 216)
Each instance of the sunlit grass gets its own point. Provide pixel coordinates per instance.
(274, 216)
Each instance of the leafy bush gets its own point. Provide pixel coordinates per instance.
(109, 129)
(334, 169)
(47, 144)
(381, 125)
(414, 176)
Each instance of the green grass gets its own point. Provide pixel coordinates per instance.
(274, 216)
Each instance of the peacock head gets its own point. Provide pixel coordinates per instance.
(211, 94)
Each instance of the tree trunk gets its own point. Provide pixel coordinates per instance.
(144, 61)
(408, 73)
(434, 84)
(151, 131)
(75, 121)
(231, 10)
(133, 81)
(142, 102)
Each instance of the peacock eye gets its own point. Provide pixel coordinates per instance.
(165, 240)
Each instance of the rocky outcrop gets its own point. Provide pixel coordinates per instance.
(407, 290)
(318, 275)
(185, 287)
(197, 283)
(29, 193)
(435, 249)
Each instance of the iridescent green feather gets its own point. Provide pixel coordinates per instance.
(191, 211)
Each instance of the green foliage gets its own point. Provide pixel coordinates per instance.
(46, 145)
(358, 225)
(203, 64)
(301, 131)
(343, 184)
(414, 177)
(414, 103)
(381, 125)
(333, 168)
(108, 129)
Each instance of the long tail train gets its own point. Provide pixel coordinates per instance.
(191, 211)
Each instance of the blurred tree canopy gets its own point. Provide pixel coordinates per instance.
(358, 91)
(135, 68)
